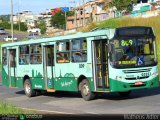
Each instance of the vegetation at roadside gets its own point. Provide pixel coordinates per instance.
(42, 26)
(6, 108)
(120, 5)
(58, 20)
(7, 25)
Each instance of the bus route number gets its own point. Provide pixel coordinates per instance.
(81, 65)
(126, 42)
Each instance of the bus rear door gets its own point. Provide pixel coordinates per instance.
(49, 67)
(100, 64)
(12, 67)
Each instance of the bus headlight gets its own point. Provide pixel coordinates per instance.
(119, 77)
(154, 74)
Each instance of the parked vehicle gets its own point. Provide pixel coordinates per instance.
(9, 38)
(32, 36)
(2, 31)
(34, 30)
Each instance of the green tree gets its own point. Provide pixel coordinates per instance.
(5, 24)
(58, 20)
(23, 26)
(42, 26)
(5, 17)
(120, 4)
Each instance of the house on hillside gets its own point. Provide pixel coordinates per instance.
(91, 11)
(146, 8)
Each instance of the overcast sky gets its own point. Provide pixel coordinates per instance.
(36, 6)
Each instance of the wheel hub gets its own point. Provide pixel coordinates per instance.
(85, 90)
(28, 89)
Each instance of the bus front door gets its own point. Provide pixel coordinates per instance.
(49, 67)
(12, 67)
(100, 64)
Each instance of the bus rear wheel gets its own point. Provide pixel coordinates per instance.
(85, 90)
(28, 88)
(124, 94)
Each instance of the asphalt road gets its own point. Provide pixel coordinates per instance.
(18, 35)
(141, 101)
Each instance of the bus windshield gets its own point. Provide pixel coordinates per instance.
(133, 52)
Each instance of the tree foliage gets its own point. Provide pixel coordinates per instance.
(23, 26)
(42, 26)
(7, 25)
(58, 20)
(120, 5)
(5, 17)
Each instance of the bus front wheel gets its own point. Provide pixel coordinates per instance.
(85, 90)
(28, 88)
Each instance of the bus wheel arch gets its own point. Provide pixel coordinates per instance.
(80, 79)
(25, 78)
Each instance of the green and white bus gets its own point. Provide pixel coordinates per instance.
(94, 62)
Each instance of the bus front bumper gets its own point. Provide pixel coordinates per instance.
(120, 86)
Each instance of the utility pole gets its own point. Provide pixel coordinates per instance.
(83, 13)
(19, 19)
(12, 19)
(19, 23)
(79, 13)
(75, 15)
(65, 19)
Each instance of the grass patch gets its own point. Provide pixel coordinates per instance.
(6, 108)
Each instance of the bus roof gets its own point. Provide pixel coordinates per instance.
(109, 33)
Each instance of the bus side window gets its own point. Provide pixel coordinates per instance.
(4, 56)
(24, 55)
(79, 50)
(63, 52)
(36, 54)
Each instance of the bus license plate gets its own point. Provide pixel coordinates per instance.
(138, 83)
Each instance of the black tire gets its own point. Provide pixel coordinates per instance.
(38, 92)
(125, 94)
(85, 90)
(28, 88)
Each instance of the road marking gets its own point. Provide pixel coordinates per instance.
(49, 111)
